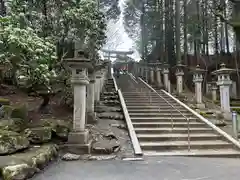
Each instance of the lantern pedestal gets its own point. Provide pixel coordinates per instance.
(166, 76)
(197, 79)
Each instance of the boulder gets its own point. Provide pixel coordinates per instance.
(105, 146)
(70, 157)
(4, 101)
(60, 127)
(19, 111)
(39, 135)
(11, 142)
(18, 172)
(24, 165)
(13, 124)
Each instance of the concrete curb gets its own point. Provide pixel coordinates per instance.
(136, 146)
(217, 129)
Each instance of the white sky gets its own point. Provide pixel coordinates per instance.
(118, 39)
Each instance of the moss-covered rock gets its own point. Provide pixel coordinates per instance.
(20, 112)
(4, 101)
(11, 142)
(24, 165)
(60, 128)
(39, 135)
(13, 124)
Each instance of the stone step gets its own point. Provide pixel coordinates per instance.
(168, 124)
(170, 130)
(178, 137)
(227, 152)
(152, 104)
(175, 145)
(156, 110)
(162, 119)
(160, 101)
(140, 107)
(161, 114)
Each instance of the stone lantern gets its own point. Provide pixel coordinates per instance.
(146, 71)
(79, 67)
(165, 71)
(214, 90)
(197, 79)
(98, 82)
(91, 115)
(151, 73)
(142, 69)
(224, 82)
(109, 68)
(158, 75)
(179, 76)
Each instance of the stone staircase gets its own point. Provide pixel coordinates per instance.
(164, 127)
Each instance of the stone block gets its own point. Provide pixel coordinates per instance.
(200, 105)
(79, 137)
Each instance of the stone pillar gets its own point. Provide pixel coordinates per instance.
(91, 115)
(179, 75)
(165, 77)
(224, 82)
(197, 79)
(169, 86)
(214, 91)
(151, 73)
(97, 86)
(158, 77)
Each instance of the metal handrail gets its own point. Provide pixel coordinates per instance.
(188, 123)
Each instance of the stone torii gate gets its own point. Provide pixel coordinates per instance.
(108, 54)
(114, 54)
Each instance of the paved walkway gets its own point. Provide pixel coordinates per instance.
(153, 168)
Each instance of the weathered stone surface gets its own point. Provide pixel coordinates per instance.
(13, 124)
(111, 115)
(60, 127)
(110, 93)
(105, 146)
(70, 157)
(11, 142)
(103, 108)
(120, 126)
(24, 165)
(101, 158)
(111, 102)
(39, 135)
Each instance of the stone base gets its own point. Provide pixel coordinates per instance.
(77, 148)
(80, 137)
(91, 118)
(227, 116)
(200, 106)
(161, 86)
